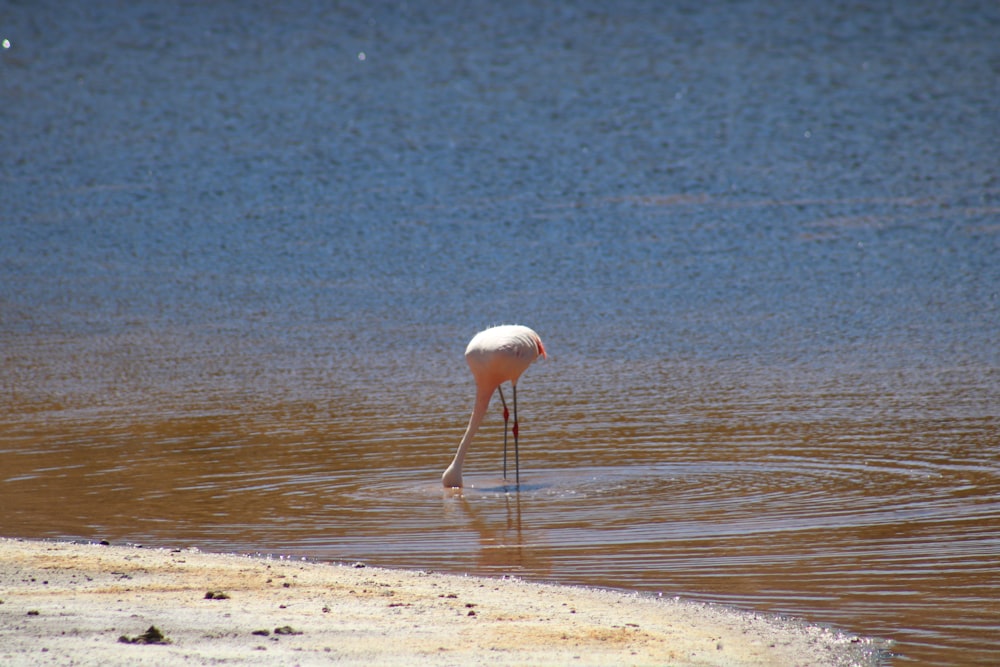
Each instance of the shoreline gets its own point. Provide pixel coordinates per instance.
(65, 602)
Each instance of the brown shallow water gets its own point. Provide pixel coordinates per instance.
(243, 246)
(871, 508)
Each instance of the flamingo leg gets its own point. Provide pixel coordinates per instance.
(506, 416)
(517, 459)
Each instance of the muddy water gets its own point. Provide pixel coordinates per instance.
(868, 509)
(242, 250)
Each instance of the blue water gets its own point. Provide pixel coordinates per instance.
(242, 248)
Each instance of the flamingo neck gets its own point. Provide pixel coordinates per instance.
(453, 475)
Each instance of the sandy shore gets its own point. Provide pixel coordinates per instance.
(76, 604)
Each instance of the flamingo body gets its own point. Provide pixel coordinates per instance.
(496, 355)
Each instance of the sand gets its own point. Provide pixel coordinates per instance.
(80, 604)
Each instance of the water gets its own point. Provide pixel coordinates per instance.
(242, 249)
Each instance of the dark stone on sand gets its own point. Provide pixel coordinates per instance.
(150, 636)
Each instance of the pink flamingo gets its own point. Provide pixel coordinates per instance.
(496, 355)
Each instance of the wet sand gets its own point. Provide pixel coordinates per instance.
(79, 603)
